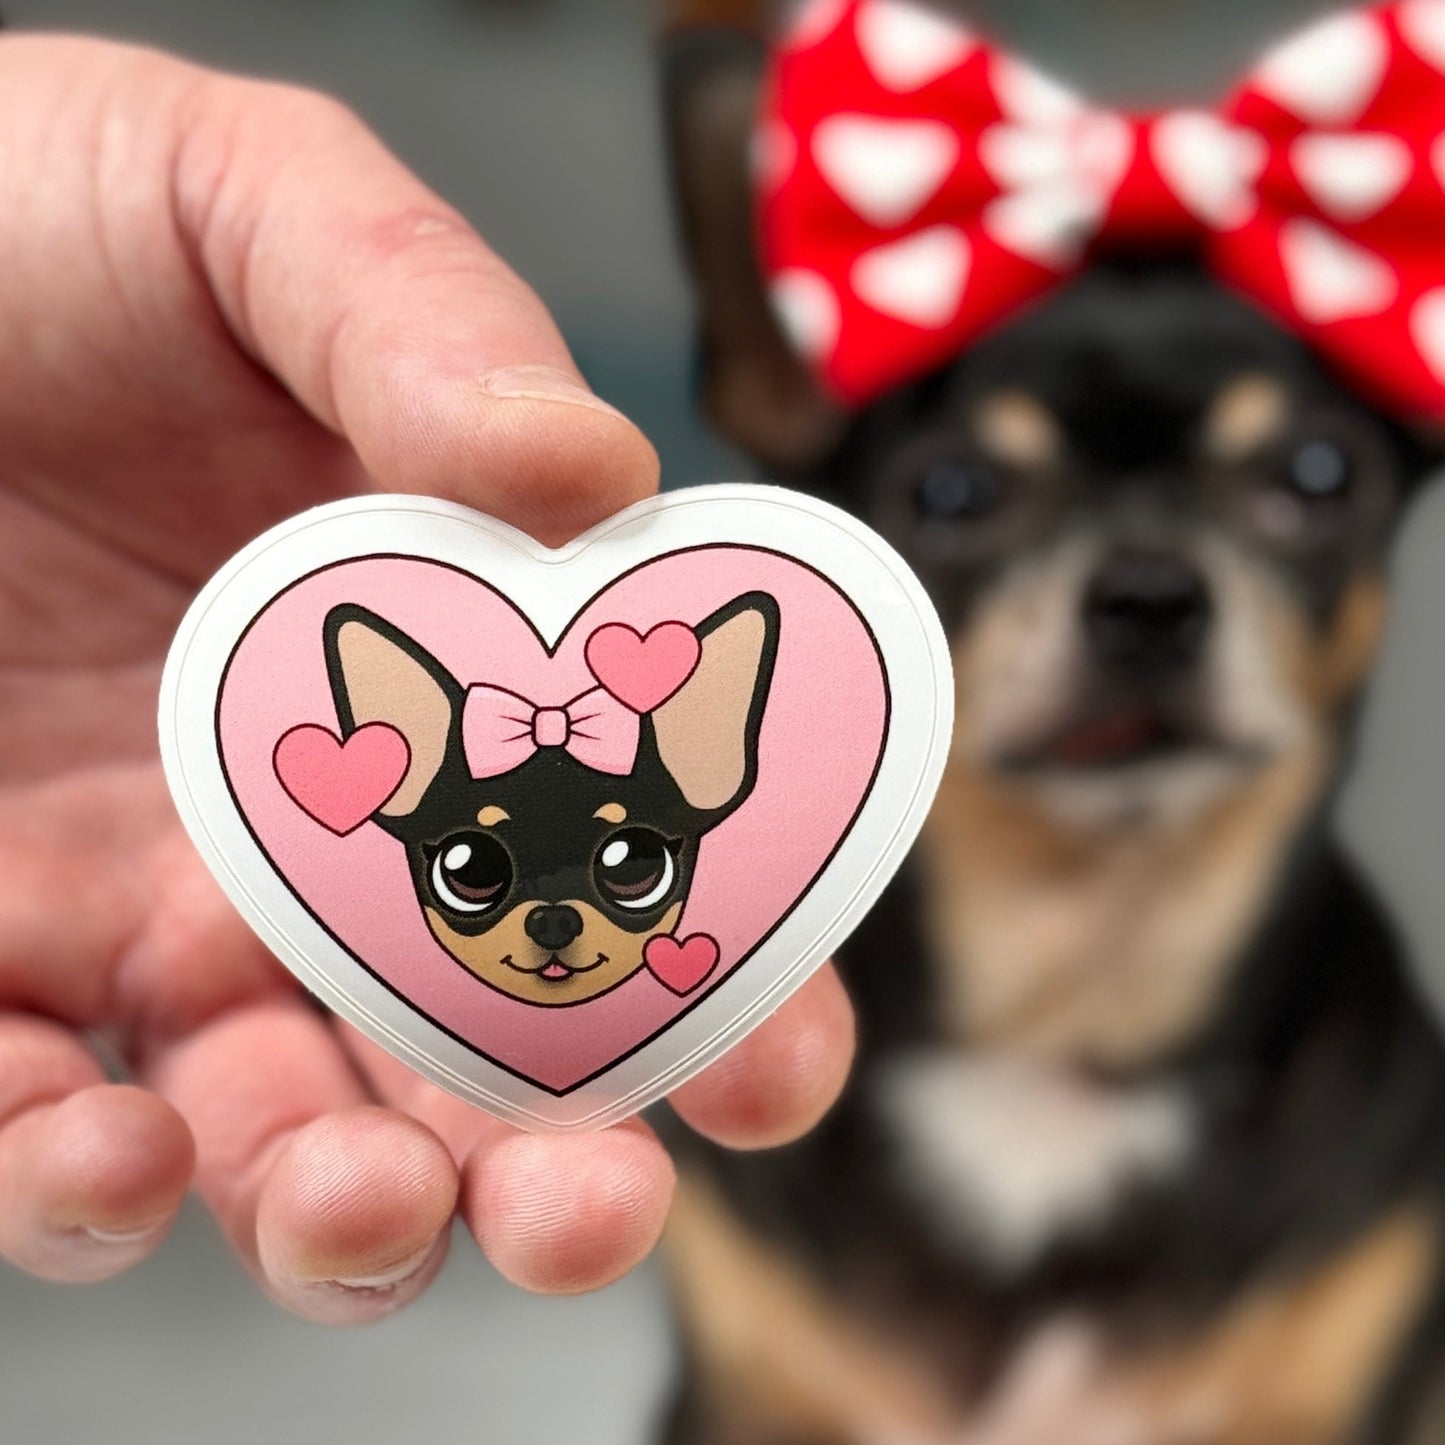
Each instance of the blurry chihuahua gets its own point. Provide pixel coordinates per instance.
(1146, 1140)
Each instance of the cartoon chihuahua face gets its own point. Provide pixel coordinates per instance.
(548, 845)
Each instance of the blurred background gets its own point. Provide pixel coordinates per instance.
(537, 118)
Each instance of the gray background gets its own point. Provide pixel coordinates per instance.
(538, 120)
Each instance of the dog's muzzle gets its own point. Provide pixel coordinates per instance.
(1146, 615)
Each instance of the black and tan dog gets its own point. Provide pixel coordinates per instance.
(547, 878)
(1146, 1140)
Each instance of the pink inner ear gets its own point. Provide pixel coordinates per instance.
(339, 784)
(643, 672)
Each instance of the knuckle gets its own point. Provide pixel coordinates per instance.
(292, 112)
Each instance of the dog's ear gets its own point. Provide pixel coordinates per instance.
(756, 391)
(378, 674)
(707, 732)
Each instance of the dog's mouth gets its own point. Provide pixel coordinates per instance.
(1133, 732)
(554, 970)
(1120, 735)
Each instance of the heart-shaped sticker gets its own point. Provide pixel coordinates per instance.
(558, 826)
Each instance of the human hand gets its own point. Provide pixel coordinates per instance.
(222, 302)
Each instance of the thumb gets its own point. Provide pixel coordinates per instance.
(389, 318)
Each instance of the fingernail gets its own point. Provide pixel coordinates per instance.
(388, 1278)
(122, 1236)
(542, 383)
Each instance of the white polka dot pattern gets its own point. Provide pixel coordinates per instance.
(916, 186)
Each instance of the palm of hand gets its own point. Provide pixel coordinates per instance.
(126, 483)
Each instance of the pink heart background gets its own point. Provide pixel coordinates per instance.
(822, 735)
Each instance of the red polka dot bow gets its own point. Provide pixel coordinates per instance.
(916, 186)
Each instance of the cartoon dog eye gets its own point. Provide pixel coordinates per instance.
(471, 872)
(635, 868)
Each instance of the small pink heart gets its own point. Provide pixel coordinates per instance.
(341, 784)
(682, 966)
(643, 672)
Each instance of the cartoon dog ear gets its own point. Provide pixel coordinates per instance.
(707, 732)
(378, 674)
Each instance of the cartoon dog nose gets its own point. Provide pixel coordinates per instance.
(1146, 612)
(553, 925)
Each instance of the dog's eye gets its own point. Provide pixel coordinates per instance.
(635, 868)
(1320, 471)
(471, 872)
(956, 491)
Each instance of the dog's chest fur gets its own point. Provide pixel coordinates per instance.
(1052, 957)
(980, 1207)
(1005, 1157)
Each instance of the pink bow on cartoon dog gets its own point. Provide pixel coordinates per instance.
(601, 727)
(501, 730)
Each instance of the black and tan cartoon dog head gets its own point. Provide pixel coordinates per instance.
(547, 878)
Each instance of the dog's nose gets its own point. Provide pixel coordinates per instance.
(553, 925)
(1146, 612)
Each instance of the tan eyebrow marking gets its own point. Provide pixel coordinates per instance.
(611, 813)
(491, 815)
(1246, 413)
(1017, 428)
